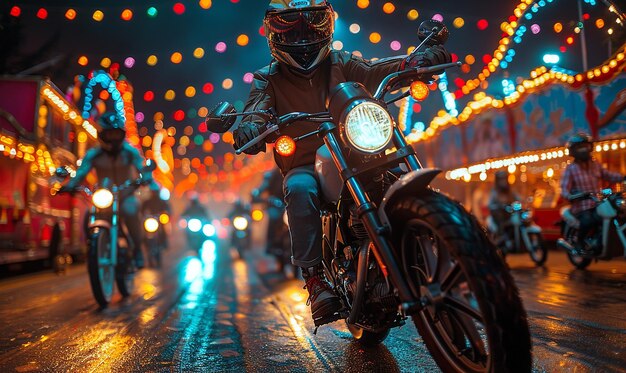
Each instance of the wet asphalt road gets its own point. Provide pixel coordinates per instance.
(223, 315)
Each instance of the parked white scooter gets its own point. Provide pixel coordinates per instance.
(519, 233)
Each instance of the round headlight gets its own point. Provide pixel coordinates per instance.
(240, 223)
(151, 225)
(368, 127)
(102, 198)
(208, 230)
(194, 225)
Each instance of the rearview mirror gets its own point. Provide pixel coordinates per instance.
(62, 173)
(217, 122)
(432, 26)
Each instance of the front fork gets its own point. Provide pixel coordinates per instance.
(368, 213)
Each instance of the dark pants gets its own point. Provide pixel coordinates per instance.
(129, 212)
(589, 220)
(302, 195)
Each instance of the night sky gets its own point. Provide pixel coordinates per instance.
(23, 39)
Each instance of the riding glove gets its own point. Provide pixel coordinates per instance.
(246, 132)
(434, 55)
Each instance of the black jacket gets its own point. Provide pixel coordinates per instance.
(276, 86)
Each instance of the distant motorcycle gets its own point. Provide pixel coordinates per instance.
(608, 240)
(199, 229)
(240, 236)
(519, 233)
(109, 255)
(154, 238)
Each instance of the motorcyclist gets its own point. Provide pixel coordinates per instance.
(195, 209)
(303, 70)
(115, 159)
(155, 205)
(582, 176)
(271, 192)
(501, 196)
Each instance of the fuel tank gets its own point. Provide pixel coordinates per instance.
(328, 175)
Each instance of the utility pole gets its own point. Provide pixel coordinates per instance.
(583, 40)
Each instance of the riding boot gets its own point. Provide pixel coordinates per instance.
(325, 305)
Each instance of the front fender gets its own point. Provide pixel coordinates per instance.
(414, 182)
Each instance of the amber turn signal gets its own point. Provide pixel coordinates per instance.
(419, 90)
(285, 146)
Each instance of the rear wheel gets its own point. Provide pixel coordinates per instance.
(578, 261)
(366, 337)
(473, 319)
(100, 266)
(538, 251)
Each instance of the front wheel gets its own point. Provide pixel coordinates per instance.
(578, 261)
(100, 266)
(473, 319)
(538, 251)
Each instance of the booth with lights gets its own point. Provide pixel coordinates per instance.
(525, 134)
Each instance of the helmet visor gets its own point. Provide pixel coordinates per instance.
(299, 27)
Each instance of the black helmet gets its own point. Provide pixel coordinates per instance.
(299, 32)
(112, 131)
(580, 146)
(502, 181)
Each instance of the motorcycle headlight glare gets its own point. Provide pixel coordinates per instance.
(517, 206)
(240, 223)
(102, 198)
(621, 204)
(194, 225)
(208, 230)
(526, 215)
(368, 127)
(151, 225)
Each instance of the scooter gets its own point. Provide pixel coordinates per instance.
(519, 234)
(609, 240)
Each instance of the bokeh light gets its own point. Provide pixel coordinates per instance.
(83, 60)
(148, 96)
(170, 95)
(248, 78)
(205, 4)
(129, 62)
(152, 60)
(243, 40)
(176, 57)
(179, 8)
(438, 17)
(227, 83)
(337, 45)
(127, 14)
(458, 22)
(198, 52)
(389, 8)
(558, 27)
(42, 13)
(105, 62)
(363, 3)
(355, 28)
(220, 47)
(482, 24)
(412, 15)
(15, 11)
(535, 28)
(190, 91)
(599, 23)
(70, 14)
(375, 37)
(395, 45)
(152, 12)
(207, 88)
(98, 16)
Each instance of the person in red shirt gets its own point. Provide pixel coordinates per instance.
(581, 177)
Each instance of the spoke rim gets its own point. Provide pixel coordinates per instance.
(460, 314)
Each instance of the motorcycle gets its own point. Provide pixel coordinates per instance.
(110, 252)
(394, 248)
(199, 229)
(519, 233)
(155, 237)
(609, 240)
(240, 236)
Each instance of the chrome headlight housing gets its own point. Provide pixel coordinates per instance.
(368, 127)
(102, 198)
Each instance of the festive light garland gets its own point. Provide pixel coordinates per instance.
(511, 162)
(539, 77)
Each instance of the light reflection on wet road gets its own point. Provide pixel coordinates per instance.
(208, 313)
